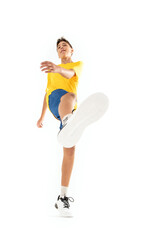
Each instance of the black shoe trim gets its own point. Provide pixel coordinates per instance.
(65, 201)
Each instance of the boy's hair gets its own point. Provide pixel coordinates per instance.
(63, 39)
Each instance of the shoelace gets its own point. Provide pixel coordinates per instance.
(62, 127)
(64, 124)
(65, 201)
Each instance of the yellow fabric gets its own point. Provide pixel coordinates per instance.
(57, 81)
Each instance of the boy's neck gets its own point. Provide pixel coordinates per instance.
(66, 60)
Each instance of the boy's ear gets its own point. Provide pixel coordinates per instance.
(72, 51)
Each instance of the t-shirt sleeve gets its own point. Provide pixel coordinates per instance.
(47, 88)
(78, 68)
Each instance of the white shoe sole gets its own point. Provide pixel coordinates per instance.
(63, 213)
(89, 111)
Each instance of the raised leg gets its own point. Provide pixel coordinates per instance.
(67, 104)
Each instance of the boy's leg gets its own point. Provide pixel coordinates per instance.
(67, 165)
(62, 203)
(67, 104)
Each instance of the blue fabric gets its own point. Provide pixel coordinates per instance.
(54, 101)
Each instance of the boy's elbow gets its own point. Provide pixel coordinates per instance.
(73, 73)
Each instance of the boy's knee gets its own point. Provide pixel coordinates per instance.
(73, 95)
(68, 96)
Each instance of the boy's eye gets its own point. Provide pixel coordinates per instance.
(63, 45)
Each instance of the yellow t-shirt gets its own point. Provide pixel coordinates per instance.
(57, 81)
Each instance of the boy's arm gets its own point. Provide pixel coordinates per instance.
(66, 73)
(50, 67)
(44, 108)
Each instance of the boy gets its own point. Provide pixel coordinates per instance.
(61, 99)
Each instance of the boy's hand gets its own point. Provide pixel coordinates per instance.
(49, 67)
(40, 123)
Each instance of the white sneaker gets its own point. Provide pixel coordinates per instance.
(63, 206)
(90, 110)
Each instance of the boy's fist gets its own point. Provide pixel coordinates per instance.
(40, 123)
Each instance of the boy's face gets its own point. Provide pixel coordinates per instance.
(64, 50)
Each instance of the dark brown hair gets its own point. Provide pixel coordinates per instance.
(63, 39)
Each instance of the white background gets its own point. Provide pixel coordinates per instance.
(115, 180)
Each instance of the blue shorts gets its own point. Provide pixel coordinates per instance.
(54, 101)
